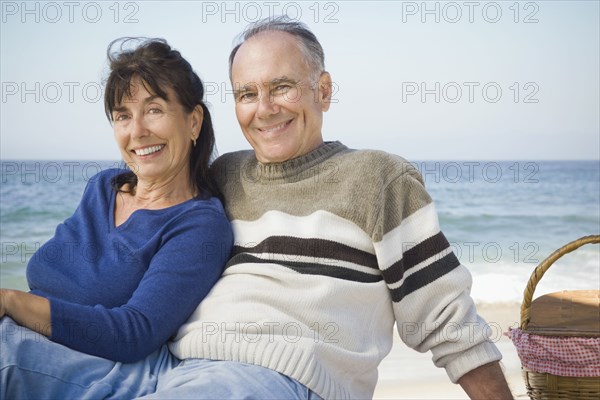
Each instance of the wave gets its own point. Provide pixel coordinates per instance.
(37, 214)
(505, 281)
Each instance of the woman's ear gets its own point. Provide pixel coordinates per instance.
(196, 121)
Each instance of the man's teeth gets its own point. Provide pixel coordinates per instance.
(274, 128)
(149, 150)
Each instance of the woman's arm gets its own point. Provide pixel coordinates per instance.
(184, 269)
(27, 310)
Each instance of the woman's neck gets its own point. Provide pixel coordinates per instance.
(162, 193)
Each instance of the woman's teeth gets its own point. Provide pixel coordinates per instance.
(149, 150)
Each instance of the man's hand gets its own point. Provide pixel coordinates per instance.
(486, 383)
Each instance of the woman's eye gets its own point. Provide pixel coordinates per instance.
(121, 117)
(155, 111)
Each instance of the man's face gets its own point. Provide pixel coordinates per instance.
(277, 106)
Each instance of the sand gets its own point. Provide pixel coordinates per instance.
(407, 374)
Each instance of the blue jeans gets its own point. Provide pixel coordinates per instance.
(207, 379)
(33, 367)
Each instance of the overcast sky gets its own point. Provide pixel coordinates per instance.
(434, 80)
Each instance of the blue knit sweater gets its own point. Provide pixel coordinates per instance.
(121, 292)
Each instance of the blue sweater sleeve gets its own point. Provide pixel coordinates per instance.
(180, 274)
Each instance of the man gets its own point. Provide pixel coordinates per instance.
(332, 247)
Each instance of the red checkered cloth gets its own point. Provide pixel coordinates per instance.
(558, 355)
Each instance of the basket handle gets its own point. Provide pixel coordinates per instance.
(543, 267)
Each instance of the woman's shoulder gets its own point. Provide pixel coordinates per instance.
(209, 205)
(106, 176)
(203, 216)
(193, 210)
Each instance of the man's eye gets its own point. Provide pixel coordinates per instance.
(154, 111)
(121, 117)
(282, 88)
(247, 97)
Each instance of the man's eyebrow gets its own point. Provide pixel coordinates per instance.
(282, 79)
(245, 88)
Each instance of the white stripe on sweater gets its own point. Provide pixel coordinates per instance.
(318, 225)
(420, 225)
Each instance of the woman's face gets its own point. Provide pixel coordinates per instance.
(155, 135)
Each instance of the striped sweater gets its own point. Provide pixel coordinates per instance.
(331, 249)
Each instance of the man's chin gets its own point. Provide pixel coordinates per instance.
(273, 154)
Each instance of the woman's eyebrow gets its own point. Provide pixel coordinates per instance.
(147, 100)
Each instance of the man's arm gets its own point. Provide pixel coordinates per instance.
(486, 382)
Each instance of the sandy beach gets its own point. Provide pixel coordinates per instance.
(407, 374)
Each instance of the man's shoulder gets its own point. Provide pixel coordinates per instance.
(234, 156)
(378, 156)
(228, 165)
(377, 162)
(231, 160)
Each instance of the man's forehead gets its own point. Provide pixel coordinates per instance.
(270, 38)
(270, 42)
(267, 57)
(271, 82)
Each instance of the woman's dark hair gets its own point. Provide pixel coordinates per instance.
(160, 67)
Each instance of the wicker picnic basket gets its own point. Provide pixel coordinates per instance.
(559, 337)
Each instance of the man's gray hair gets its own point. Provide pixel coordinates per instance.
(308, 43)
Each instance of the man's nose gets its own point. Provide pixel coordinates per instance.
(267, 105)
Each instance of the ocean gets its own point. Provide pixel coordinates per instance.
(502, 218)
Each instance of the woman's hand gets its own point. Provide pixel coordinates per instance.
(26, 309)
(2, 308)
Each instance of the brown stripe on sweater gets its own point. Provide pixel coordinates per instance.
(309, 268)
(415, 255)
(425, 276)
(316, 248)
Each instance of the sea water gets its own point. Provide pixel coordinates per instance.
(501, 218)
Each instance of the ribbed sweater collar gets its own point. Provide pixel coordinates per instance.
(294, 169)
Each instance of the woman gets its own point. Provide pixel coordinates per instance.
(144, 246)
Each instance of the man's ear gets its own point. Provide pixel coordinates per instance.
(325, 90)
